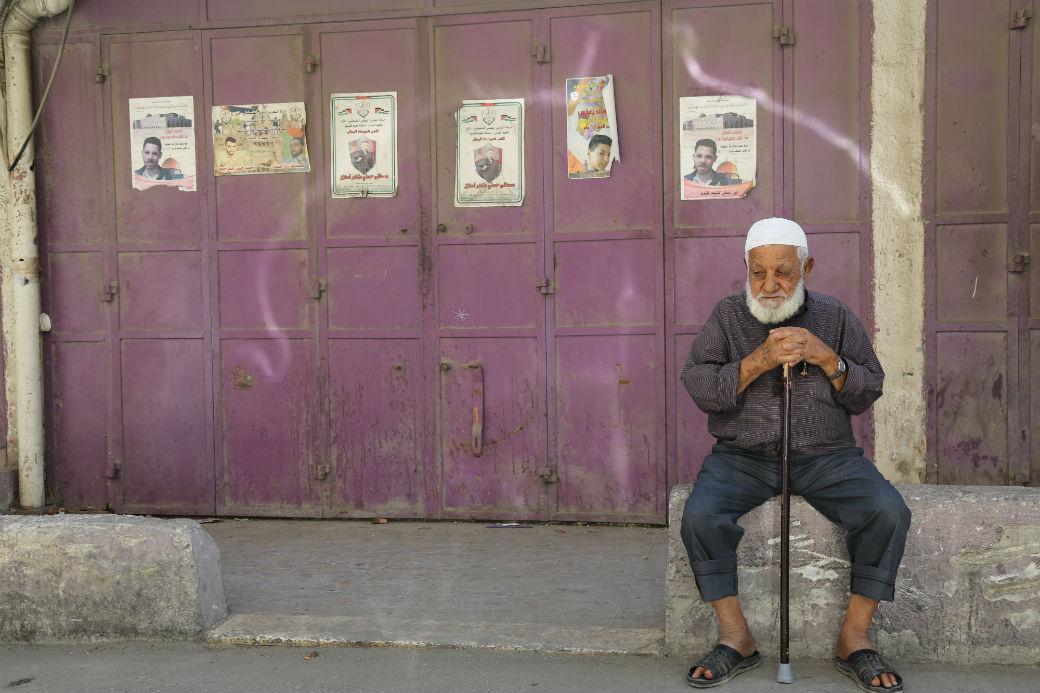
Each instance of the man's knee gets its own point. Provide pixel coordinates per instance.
(891, 510)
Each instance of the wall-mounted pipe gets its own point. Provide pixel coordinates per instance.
(23, 273)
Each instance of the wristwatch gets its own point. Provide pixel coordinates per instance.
(840, 372)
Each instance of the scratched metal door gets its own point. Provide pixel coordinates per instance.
(370, 256)
(978, 206)
(161, 346)
(606, 320)
(488, 264)
(269, 413)
(1029, 132)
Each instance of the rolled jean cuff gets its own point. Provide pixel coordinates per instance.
(716, 579)
(876, 583)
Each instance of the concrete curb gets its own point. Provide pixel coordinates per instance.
(107, 577)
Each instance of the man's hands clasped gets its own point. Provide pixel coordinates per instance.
(788, 345)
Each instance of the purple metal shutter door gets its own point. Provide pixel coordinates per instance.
(371, 255)
(73, 233)
(167, 449)
(487, 263)
(269, 412)
(705, 239)
(975, 343)
(607, 346)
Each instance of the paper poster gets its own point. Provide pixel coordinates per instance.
(364, 144)
(162, 142)
(261, 138)
(717, 146)
(489, 161)
(592, 141)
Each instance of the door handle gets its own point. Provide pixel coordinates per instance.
(1019, 263)
(477, 407)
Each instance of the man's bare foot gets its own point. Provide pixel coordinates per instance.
(744, 644)
(855, 634)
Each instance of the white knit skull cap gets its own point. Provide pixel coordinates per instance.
(775, 231)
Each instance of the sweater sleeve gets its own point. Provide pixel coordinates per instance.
(864, 376)
(709, 375)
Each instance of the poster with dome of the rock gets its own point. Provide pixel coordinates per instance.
(717, 145)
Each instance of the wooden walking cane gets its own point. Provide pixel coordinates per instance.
(784, 672)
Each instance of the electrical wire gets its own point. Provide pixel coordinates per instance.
(47, 91)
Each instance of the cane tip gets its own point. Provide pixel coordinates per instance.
(784, 674)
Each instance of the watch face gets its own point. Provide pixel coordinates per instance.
(841, 365)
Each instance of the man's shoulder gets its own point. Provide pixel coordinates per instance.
(825, 303)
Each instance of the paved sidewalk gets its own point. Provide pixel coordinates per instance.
(176, 668)
(550, 588)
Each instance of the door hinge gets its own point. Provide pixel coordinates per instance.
(546, 288)
(319, 287)
(102, 74)
(784, 35)
(113, 468)
(321, 472)
(1018, 264)
(540, 51)
(111, 291)
(548, 475)
(1021, 18)
(311, 64)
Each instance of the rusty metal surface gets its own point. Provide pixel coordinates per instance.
(298, 339)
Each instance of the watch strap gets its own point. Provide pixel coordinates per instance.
(840, 372)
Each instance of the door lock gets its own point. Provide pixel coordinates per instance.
(1018, 264)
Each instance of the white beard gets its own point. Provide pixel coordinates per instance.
(771, 315)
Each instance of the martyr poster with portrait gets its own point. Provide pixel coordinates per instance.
(162, 143)
(260, 138)
(489, 159)
(364, 144)
(592, 139)
(717, 139)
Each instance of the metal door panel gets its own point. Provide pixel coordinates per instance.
(605, 283)
(268, 413)
(1034, 277)
(617, 44)
(375, 388)
(972, 95)
(492, 285)
(826, 150)
(1033, 136)
(373, 288)
(971, 273)
(160, 291)
(354, 62)
(221, 10)
(706, 271)
(167, 466)
(75, 284)
(253, 70)
(490, 60)
(265, 289)
(148, 69)
(705, 63)
(836, 268)
(1032, 465)
(505, 415)
(68, 211)
(693, 441)
(971, 408)
(77, 435)
(606, 442)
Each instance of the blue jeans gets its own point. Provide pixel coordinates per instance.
(844, 486)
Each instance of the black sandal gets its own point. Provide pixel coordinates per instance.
(724, 663)
(863, 666)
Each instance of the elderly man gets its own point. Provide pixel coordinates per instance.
(733, 374)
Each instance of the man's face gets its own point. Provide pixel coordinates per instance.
(362, 158)
(151, 153)
(295, 147)
(230, 148)
(774, 272)
(703, 159)
(488, 168)
(599, 157)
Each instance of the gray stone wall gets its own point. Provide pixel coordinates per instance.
(968, 588)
